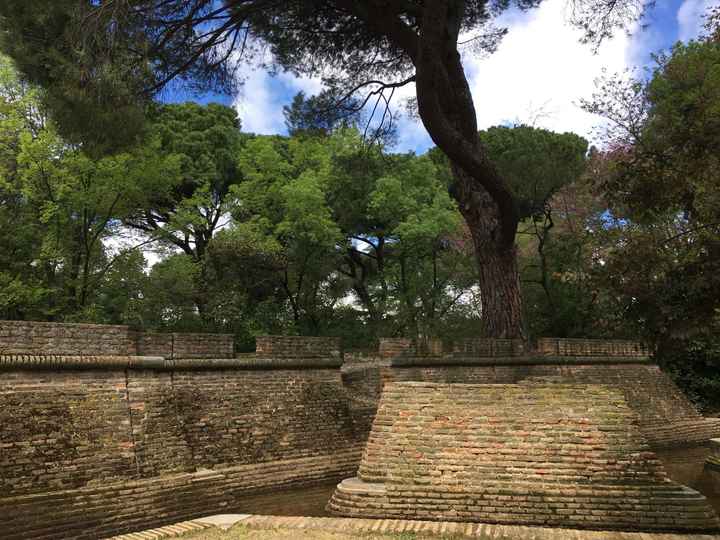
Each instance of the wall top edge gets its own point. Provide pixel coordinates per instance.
(75, 362)
(526, 360)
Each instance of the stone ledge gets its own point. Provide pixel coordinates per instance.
(52, 362)
(359, 487)
(56, 361)
(527, 360)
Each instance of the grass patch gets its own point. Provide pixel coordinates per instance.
(241, 532)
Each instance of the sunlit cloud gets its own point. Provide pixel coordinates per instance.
(690, 17)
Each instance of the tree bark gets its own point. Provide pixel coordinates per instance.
(498, 276)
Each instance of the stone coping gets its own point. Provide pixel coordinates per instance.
(355, 485)
(50, 361)
(423, 529)
(526, 360)
(47, 361)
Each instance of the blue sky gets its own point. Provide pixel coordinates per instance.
(538, 74)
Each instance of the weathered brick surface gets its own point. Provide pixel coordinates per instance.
(86, 453)
(184, 345)
(489, 347)
(391, 347)
(545, 454)
(298, 347)
(590, 347)
(111, 508)
(103, 427)
(667, 417)
(203, 346)
(154, 344)
(63, 430)
(58, 339)
(24, 337)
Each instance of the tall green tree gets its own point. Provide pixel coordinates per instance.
(65, 204)
(23, 292)
(190, 203)
(536, 163)
(662, 254)
(347, 223)
(281, 206)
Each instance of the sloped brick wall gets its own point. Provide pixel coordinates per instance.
(539, 454)
(667, 417)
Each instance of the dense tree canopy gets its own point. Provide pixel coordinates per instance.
(115, 56)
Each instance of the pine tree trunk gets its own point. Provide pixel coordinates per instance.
(485, 200)
(499, 289)
(498, 275)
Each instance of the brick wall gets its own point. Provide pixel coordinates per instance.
(668, 418)
(404, 349)
(203, 346)
(154, 344)
(184, 345)
(298, 347)
(24, 337)
(489, 347)
(538, 454)
(100, 449)
(590, 347)
(391, 347)
(60, 339)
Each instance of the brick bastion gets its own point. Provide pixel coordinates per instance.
(537, 453)
(104, 430)
(667, 417)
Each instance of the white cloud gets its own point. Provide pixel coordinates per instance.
(690, 17)
(262, 97)
(540, 71)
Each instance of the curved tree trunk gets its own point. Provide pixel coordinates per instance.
(446, 107)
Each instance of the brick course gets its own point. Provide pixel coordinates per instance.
(25, 337)
(60, 339)
(298, 347)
